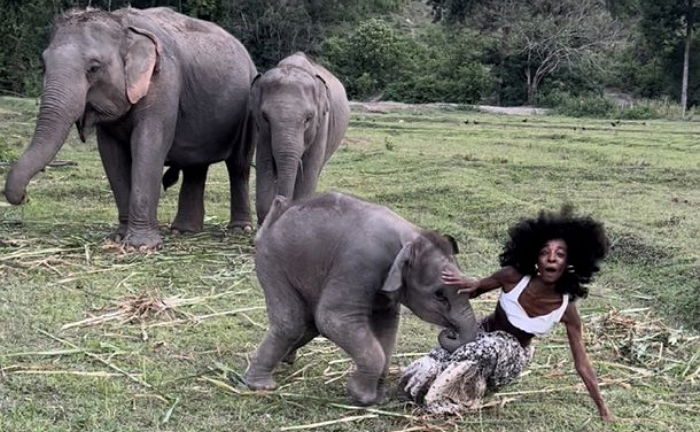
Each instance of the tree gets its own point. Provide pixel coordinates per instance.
(547, 34)
(451, 10)
(270, 29)
(369, 58)
(552, 33)
(665, 23)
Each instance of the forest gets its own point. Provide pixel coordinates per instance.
(629, 59)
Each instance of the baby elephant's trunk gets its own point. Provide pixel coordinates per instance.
(464, 332)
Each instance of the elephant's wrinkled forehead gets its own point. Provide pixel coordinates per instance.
(87, 33)
(287, 77)
(430, 265)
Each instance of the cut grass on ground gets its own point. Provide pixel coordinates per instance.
(92, 338)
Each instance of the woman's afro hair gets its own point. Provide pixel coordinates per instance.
(585, 239)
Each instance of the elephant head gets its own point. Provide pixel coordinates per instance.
(415, 275)
(290, 108)
(96, 69)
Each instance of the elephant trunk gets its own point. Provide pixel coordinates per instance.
(287, 149)
(62, 104)
(464, 331)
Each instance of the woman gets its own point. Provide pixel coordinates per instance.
(545, 265)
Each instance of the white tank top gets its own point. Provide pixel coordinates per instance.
(539, 325)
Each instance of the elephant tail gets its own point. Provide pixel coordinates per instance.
(279, 205)
(171, 176)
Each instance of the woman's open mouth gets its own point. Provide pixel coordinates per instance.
(550, 270)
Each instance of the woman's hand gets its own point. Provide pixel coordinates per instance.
(464, 284)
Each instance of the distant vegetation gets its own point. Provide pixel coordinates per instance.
(564, 54)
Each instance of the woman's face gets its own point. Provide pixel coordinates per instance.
(551, 261)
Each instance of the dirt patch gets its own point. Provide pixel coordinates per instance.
(359, 143)
(631, 249)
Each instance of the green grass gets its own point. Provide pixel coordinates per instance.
(471, 180)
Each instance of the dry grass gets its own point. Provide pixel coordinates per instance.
(95, 338)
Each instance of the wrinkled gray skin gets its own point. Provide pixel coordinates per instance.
(161, 89)
(301, 113)
(340, 267)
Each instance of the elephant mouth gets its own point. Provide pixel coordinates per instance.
(450, 334)
(451, 339)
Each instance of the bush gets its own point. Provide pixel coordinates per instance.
(467, 86)
(637, 112)
(436, 65)
(553, 98)
(369, 58)
(586, 106)
(602, 107)
(664, 108)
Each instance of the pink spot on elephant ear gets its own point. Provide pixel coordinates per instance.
(139, 63)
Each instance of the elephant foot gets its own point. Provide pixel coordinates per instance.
(366, 392)
(290, 358)
(118, 235)
(244, 226)
(265, 383)
(142, 241)
(178, 229)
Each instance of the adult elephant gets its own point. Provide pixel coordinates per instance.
(340, 267)
(161, 89)
(301, 113)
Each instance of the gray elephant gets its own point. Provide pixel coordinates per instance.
(340, 267)
(161, 89)
(301, 113)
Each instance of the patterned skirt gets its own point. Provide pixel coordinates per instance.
(445, 383)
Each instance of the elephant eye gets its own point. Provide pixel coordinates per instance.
(93, 68)
(440, 296)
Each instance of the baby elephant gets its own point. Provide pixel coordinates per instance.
(338, 266)
(301, 113)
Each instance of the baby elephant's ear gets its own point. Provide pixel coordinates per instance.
(394, 279)
(453, 243)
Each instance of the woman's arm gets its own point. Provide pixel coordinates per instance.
(574, 331)
(475, 286)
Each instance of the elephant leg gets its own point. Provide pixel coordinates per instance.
(352, 331)
(385, 324)
(150, 143)
(116, 161)
(291, 326)
(240, 205)
(190, 209)
(279, 344)
(238, 165)
(311, 332)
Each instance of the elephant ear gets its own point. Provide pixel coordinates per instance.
(140, 60)
(394, 279)
(323, 94)
(254, 96)
(453, 243)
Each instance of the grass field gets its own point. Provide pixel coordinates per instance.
(94, 339)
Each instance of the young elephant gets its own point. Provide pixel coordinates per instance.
(338, 266)
(301, 113)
